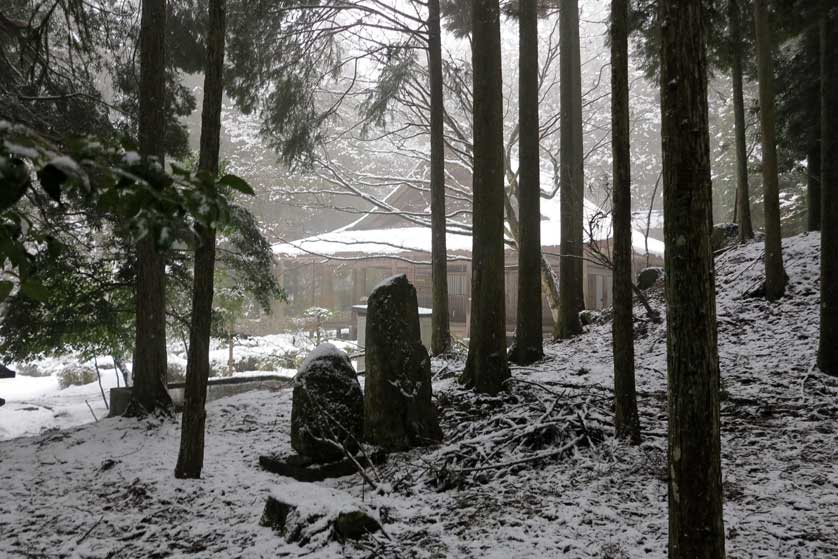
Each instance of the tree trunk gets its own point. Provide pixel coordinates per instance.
(743, 197)
(486, 368)
(190, 460)
(813, 167)
(528, 346)
(231, 361)
(813, 190)
(119, 365)
(149, 372)
(775, 276)
(696, 528)
(626, 419)
(440, 328)
(828, 348)
(572, 179)
(550, 288)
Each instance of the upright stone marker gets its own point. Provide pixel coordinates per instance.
(6, 372)
(398, 413)
(327, 405)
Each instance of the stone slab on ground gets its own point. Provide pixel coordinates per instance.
(305, 469)
(307, 513)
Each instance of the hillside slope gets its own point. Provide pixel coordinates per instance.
(491, 490)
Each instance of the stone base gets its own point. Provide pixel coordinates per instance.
(317, 522)
(305, 469)
(120, 398)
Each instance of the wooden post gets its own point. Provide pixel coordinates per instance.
(313, 283)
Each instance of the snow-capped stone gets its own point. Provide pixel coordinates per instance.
(327, 409)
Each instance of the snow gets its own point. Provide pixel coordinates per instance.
(323, 351)
(35, 404)
(418, 239)
(314, 500)
(371, 241)
(21, 151)
(350, 240)
(642, 218)
(131, 158)
(107, 489)
(66, 164)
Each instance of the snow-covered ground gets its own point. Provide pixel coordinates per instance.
(107, 489)
(34, 404)
(38, 403)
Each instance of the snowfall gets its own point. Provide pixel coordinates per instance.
(73, 486)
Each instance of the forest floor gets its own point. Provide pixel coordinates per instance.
(107, 489)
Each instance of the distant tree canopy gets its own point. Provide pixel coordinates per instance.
(48, 67)
(795, 58)
(67, 232)
(55, 56)
(278, 56)
(796, 69)
(77, 261)
(87, 305)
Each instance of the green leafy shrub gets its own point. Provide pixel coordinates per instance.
(271, 362)
(32, 370)
(76, 376)
(249, 363)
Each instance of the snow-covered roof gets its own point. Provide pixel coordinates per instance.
(354, 239)
(641, 218)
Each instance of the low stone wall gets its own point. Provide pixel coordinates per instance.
(217, 388)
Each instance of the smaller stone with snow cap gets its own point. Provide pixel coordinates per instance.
(312, 515)
(398, 413)
(327, 406)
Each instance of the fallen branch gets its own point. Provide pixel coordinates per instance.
(490, 435)
(91, 411)
(531, 458)
(653, 315)
(99, 378)
(583, 387)
(90, 530)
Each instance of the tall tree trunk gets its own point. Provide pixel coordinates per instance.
(550, 288)
(813, 172)
(119, 365)
(626, 419)
(696, 528)
(775, 276)
(191, 457)
(572, 179)
(813, 167)
(828, 348)
(529, 345)
(743, 197)
(440, 328)
(149, 392)
(231, 345)
(486, 368)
